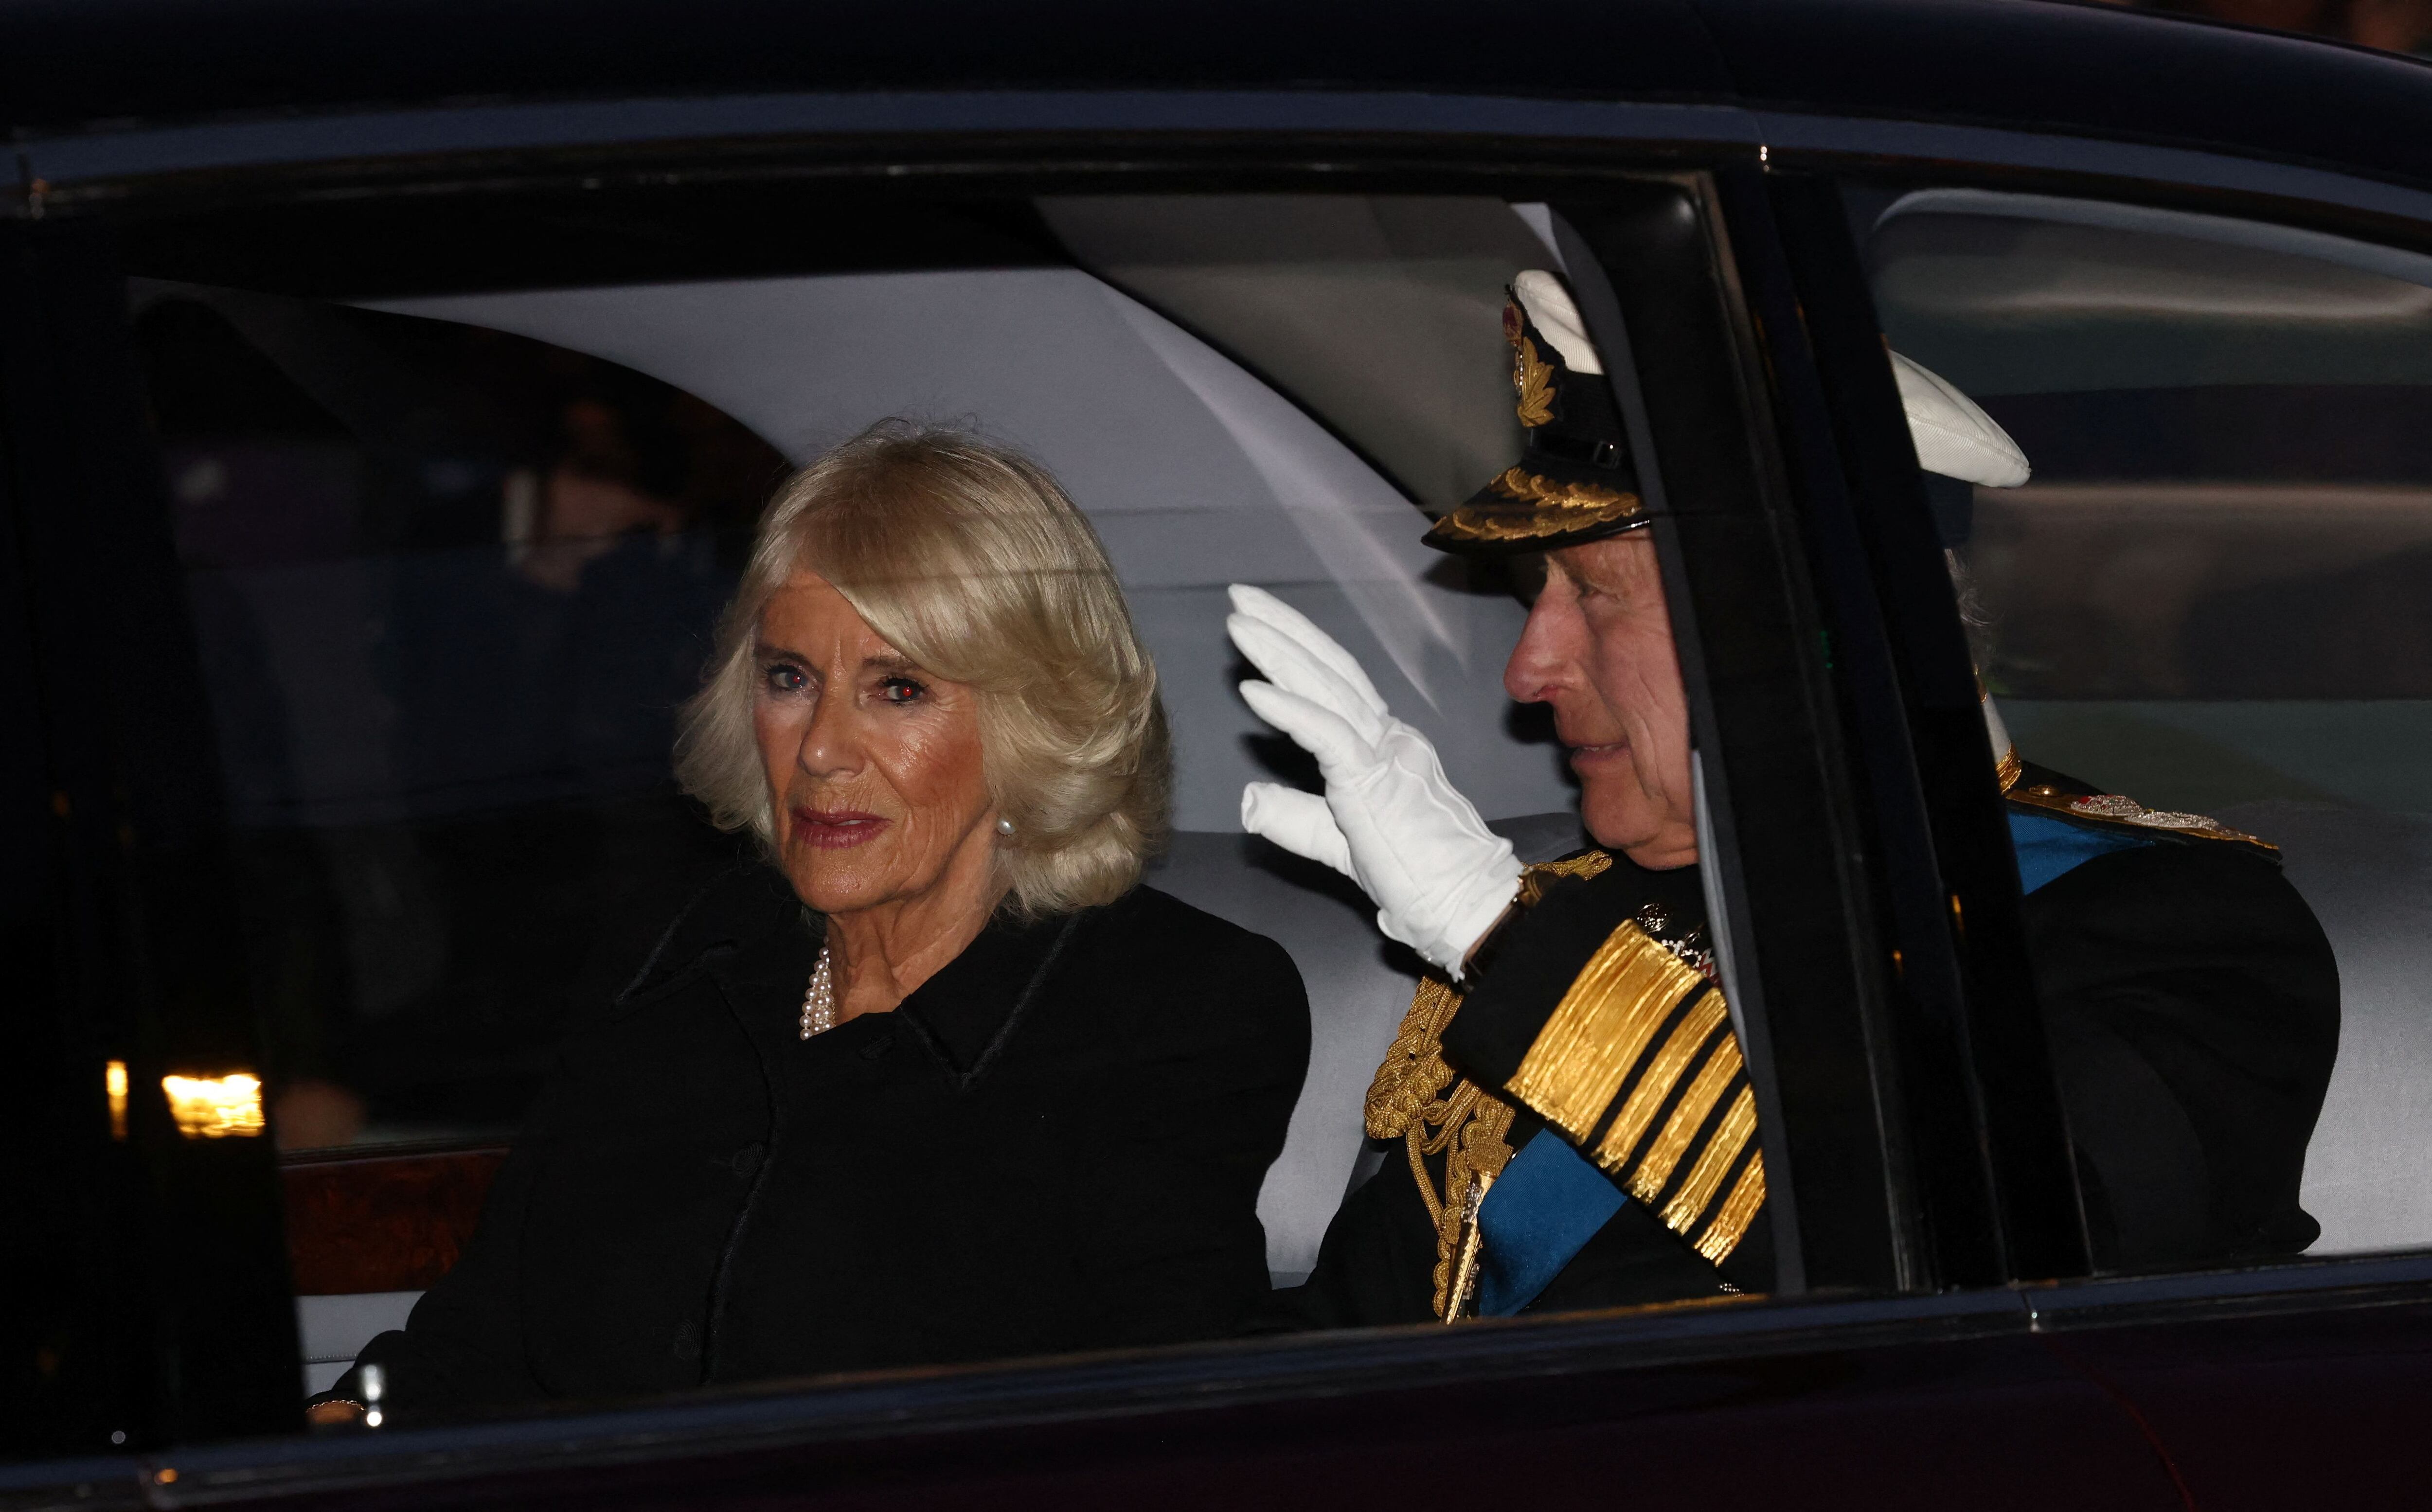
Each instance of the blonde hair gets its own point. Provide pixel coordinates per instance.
(968, 558)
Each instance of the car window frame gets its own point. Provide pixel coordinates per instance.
(1737, 246)
(2136, 176)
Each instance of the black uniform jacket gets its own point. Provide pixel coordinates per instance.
(2191, 1005)
(1378, 1259)
(1056, 1143)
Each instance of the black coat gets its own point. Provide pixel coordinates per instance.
(1056, 1143)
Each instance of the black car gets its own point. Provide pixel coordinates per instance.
(387, 391)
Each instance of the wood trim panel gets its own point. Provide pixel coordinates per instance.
(395, 1221)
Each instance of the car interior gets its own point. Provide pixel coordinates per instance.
(455, 551)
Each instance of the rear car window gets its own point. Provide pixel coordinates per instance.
(2207, 597)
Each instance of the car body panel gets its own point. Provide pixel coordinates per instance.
(2025, 63)
(1741, 1402)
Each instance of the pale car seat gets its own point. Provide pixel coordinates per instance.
(2366, 874)
(1359, 984)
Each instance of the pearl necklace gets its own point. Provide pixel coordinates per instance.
(818, 998)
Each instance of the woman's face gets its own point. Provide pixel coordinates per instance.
(874, 778)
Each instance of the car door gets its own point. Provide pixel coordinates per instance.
(2205, 598)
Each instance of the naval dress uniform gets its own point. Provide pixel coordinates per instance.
(1575, 1129)
(1572, 1125)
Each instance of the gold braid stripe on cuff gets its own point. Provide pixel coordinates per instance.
(1662, 1075)
(1607, 1050)
(1738, 1211)
(1655, 1168)
(1599, 1031)
(1721, 1153)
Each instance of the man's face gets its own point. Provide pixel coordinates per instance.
(1598, 649)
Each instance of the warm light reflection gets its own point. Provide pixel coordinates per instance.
(213, 1107)
(114, 1077)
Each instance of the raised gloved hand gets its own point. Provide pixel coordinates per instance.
(1389, 821)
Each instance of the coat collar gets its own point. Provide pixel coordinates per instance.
(743, 926)
(970, 1008)
(759, 944)
(964, 1014)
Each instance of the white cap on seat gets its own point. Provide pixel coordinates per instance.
(1953, 436)
(1556, 319)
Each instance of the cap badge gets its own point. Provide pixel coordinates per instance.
(1574, 480)
(1533, 381)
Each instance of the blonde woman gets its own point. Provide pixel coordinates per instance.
(941, 1082)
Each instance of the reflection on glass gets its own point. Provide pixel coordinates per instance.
(114, 1078)
(2209, 597)
(448, 586)
(374, 1388)
(214, 1107)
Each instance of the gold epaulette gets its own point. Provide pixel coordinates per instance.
(1416, 1098)
(2115, 809)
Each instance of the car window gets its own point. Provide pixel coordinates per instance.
(455, 561)
(450, 584)
(2201, 614)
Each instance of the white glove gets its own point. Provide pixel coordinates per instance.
(1389, 821)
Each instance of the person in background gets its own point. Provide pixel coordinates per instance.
(1571, 1096)
(940, 1080)
(2191, 998)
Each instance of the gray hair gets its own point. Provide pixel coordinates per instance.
(968, 558)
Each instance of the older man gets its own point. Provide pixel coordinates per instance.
(1570, 1098)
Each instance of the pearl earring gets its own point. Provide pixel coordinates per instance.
(1004, 826)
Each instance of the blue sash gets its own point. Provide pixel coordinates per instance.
(2050, 847)
(1542, 1210)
